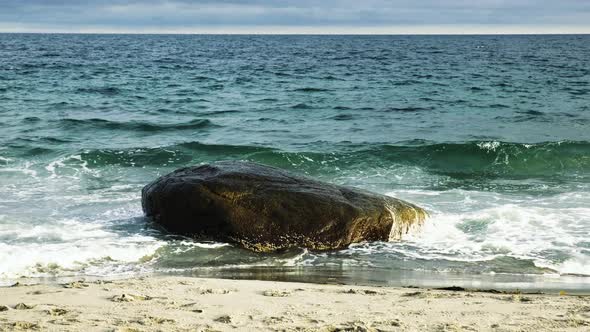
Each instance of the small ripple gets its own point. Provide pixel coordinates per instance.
(310, 90)
(107, 91)
(302, 106)
(343, 117)
(95, 123)
(409, 109)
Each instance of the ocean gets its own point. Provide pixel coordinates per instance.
(491, 134)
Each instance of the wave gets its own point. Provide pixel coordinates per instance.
(175, 155)
(476, 160)
(143, 126)
(495, 159)
(483, 159)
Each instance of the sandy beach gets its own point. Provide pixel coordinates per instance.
(197, 304)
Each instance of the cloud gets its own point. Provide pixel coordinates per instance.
(173, 15)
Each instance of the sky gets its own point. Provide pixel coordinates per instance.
(297, 16)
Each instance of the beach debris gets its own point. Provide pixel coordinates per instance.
(76, 284)
(395, 322)
(64, 321)
(413, 294)
(225, 319)
(103, 282)
(276, 293)
(47, 268)
(22, 325)
(356, 326)
(59, 322)
(452, 288)
(158, 320)
(22, 306)
(57, 312)
(491, 290)
(130, 298)
(450, 327)
(362, 291)
(190, 305)
(203, 291)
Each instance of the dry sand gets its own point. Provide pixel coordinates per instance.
(194, 304)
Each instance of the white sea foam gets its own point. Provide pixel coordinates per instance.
(51, 225)
(204, 245)
(69, 247)
(78, 221)
(579, 264)
(294, 261)
(71, 166)
(25, 168)
(489, 146)
(471, 226)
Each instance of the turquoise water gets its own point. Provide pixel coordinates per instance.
(490, 133)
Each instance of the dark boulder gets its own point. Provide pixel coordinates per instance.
(264, 208)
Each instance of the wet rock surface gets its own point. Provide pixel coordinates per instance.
(265, 208)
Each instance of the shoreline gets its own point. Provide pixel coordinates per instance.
(504, 282)
(172, 303)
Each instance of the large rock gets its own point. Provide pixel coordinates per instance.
(265, 208)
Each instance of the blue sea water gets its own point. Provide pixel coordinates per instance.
(491, 134)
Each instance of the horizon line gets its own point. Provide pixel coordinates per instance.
(459, 29)
(297, 33)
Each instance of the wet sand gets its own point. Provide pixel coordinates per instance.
(198, 304)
